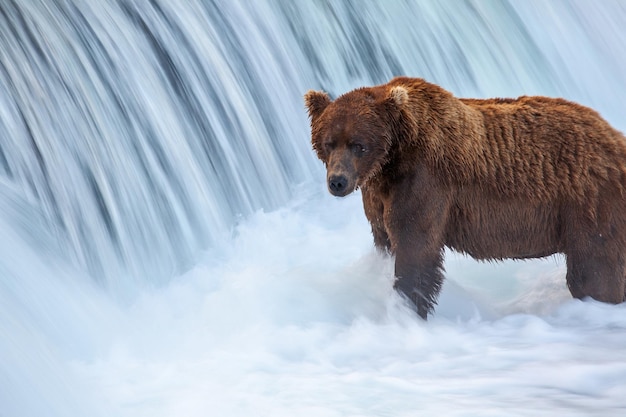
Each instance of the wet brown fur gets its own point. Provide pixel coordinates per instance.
(496, 178)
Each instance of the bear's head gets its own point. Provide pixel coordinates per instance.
(354, 134)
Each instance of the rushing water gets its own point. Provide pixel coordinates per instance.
(168, 247)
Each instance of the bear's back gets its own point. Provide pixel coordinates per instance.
(544, 147)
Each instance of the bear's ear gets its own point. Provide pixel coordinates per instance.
(399, 95)
(316, 102)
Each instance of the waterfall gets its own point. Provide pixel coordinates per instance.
(138, 131)
(136, 134)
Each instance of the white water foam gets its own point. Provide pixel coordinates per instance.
(297, 316)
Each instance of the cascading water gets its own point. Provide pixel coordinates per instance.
(139, 131)
(135, 135)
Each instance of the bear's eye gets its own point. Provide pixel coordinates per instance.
(357, 149)
(329, 146)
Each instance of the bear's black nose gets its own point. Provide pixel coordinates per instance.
(337, 184)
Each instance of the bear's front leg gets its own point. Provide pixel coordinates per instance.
(415, 218)
(419, 276)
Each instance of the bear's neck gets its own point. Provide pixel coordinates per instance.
(447, 135)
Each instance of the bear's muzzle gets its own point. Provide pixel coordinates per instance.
(338, 185)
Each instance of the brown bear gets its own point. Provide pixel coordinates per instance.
(496, 178)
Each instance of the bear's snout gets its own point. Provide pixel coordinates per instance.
(338, 185)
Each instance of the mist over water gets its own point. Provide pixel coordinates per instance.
(168, 246)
